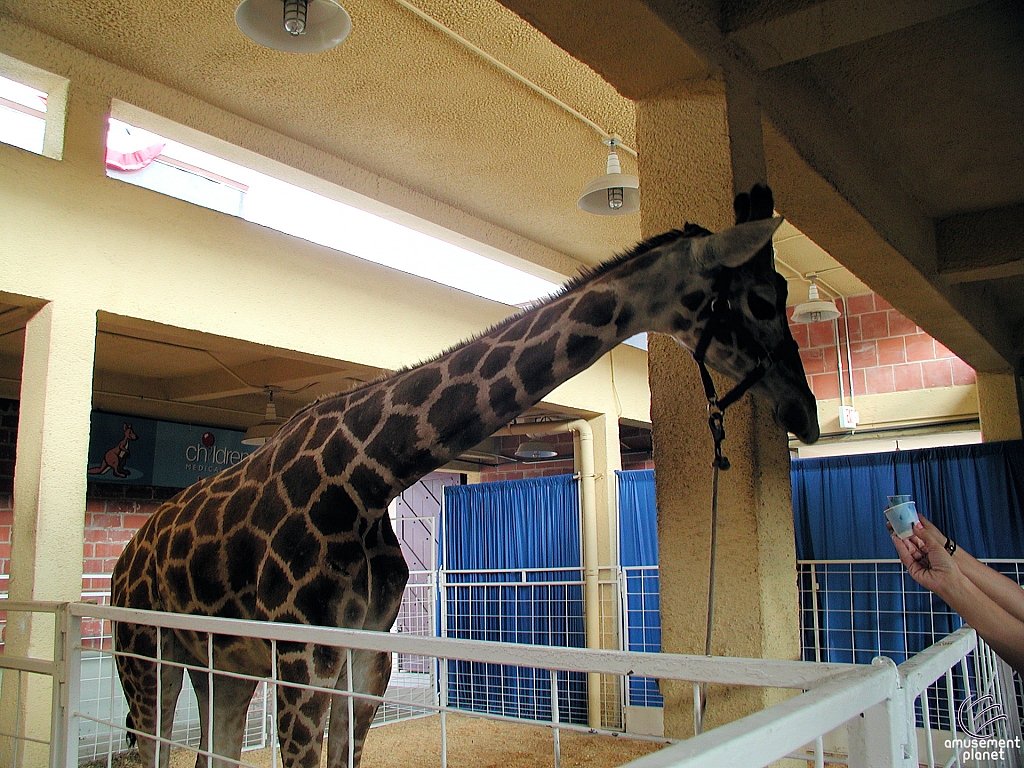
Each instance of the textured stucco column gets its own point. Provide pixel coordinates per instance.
(687, 173)
(49, 499)
(998, 407)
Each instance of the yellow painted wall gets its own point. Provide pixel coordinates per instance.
(69, 233)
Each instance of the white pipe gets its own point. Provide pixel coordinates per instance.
(839, 364)
(588, 500)
(849, 357)
(510, 72)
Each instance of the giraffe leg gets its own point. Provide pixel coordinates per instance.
(139, 681)
(370, 670)
(370, 674)
(302, 713)
(231, 697)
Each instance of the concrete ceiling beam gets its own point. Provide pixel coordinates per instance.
(985, 245)
(825, 26)
(622, 40)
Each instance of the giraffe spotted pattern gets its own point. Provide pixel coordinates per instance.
(298, 531)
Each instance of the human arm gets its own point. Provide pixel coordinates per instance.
(1004, 591)
(932, 566)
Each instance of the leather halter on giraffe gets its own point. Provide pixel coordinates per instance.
(299, 532)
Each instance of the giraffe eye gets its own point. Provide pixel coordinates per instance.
(760, 308)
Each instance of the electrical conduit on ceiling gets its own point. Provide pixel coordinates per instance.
(510, 72)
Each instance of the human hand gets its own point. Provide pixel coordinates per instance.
(924, 556)
(926, 536)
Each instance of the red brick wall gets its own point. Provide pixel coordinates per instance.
(109, 526)
(628, 463)
(889, 352)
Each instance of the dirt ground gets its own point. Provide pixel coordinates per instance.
(472, 743)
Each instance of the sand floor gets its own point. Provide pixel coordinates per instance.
(472, 743)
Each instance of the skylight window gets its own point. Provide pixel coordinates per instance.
(143, 158)
(22, 115)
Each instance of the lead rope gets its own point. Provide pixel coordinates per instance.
(720, 310)
(702, 704)
(716, 423)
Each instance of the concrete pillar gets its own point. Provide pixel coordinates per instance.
(607, 459)
(696, 149)
(85, 133)
(49, 500)
(999, 407)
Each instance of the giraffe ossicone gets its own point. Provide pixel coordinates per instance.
(298, 531)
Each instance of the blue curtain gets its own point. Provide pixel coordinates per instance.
(494, 530)
(638, 518)
(971, 492)
(638, 547)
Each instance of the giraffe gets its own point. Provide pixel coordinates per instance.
(298, 531)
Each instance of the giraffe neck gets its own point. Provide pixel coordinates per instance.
(420, 419)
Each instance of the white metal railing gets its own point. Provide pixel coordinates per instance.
(844, 607)
(831, 694)
(413, 680)
(539, 606)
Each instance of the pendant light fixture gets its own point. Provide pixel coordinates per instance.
(614, 194)
(295, 26)
(259, 433)
(535, 449)
(815, 309)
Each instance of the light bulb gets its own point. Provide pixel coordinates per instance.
(295, 16)
(615, 198)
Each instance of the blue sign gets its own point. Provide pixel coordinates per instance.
(137, 451)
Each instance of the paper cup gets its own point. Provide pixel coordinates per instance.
(894, 500)
(902, 518)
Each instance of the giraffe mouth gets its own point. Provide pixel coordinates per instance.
(794, 417)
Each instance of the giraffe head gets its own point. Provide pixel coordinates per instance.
(738, 298)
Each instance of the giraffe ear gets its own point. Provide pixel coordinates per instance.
(736, 245)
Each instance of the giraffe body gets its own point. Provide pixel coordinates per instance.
(298, 531)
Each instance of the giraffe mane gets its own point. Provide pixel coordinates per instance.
(588, 274)
(585, 276)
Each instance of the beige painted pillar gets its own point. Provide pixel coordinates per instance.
(49, 500)
(607, 459)
(998, 407)
(692, 145)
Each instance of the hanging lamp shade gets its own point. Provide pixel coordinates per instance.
(535, 449)
(815, 309)
(295, 26)
(614, 194)
(259, 433)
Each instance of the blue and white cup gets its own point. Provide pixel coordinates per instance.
(902, 514)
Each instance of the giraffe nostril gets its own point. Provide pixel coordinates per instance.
(793, 418)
